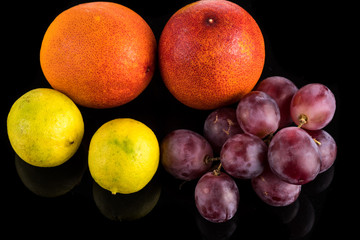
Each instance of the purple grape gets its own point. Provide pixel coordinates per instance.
(219, 126)
(282, 91)
(244, 156)
(216, 197)
(258, 114)
(273, 191)
(294, 156)
(313, 106)
(183, 153)
(327, 147)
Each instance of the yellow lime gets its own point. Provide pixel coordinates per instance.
(123, 155)
(45, 127)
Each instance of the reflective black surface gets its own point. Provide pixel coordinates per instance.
(302, 42)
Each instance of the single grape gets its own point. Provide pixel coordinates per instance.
(216, 196)
(327, 147)
(313, 106)
(282, 91)
(219, 126)
(244, 156)
(183, 153)
(258, 114)
(294, 156)
(274, 191)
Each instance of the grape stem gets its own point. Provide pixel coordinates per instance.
(317, 141)
(209, 159)
(216, 171)
(268, 138)
(303, 119)
(182, 184)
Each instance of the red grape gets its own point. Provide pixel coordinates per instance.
(219, 126)
(216, 197)
(258, 114)
(294, 156)
(244, 156)
(273, 191)
(183, 153)
(327, 147)
(313, 106)
(281, 90)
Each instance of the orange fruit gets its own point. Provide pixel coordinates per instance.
(100, 54)
(211, 53)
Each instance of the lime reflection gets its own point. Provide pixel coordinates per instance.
(127, 207)
(52, 181)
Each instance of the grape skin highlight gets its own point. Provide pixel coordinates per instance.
(216, 197)
(294, 156)
(282, 91)
(273, 191)
(220, 125)
(327, 147)
(313, 106)
(258, 114)
(244, 156)
(183, 153)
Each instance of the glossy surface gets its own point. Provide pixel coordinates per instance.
(244, 156)
(258, 114)
(327, 147)
(301, 43)
(294, 156)
(274, 191)
(281, 90)
(220, 125)
(217, 197)
(313, 106)
(184, 153)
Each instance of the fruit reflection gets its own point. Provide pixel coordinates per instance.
(304, 221)
(53, 181)
(127, 207)
(218, 231)
(321, 182)
(286, 213)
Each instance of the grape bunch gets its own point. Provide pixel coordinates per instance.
(274, 138)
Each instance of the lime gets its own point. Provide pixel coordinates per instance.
(123, 155)
(45, 127)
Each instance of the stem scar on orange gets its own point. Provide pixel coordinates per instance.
(211, 53)
(100, 54)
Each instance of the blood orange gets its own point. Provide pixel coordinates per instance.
(211, 53)
(100, 54)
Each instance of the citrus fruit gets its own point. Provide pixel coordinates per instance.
(211, 53)
(45, 127)
(123, 155)
(100, 54)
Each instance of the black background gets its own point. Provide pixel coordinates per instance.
(306, 41)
